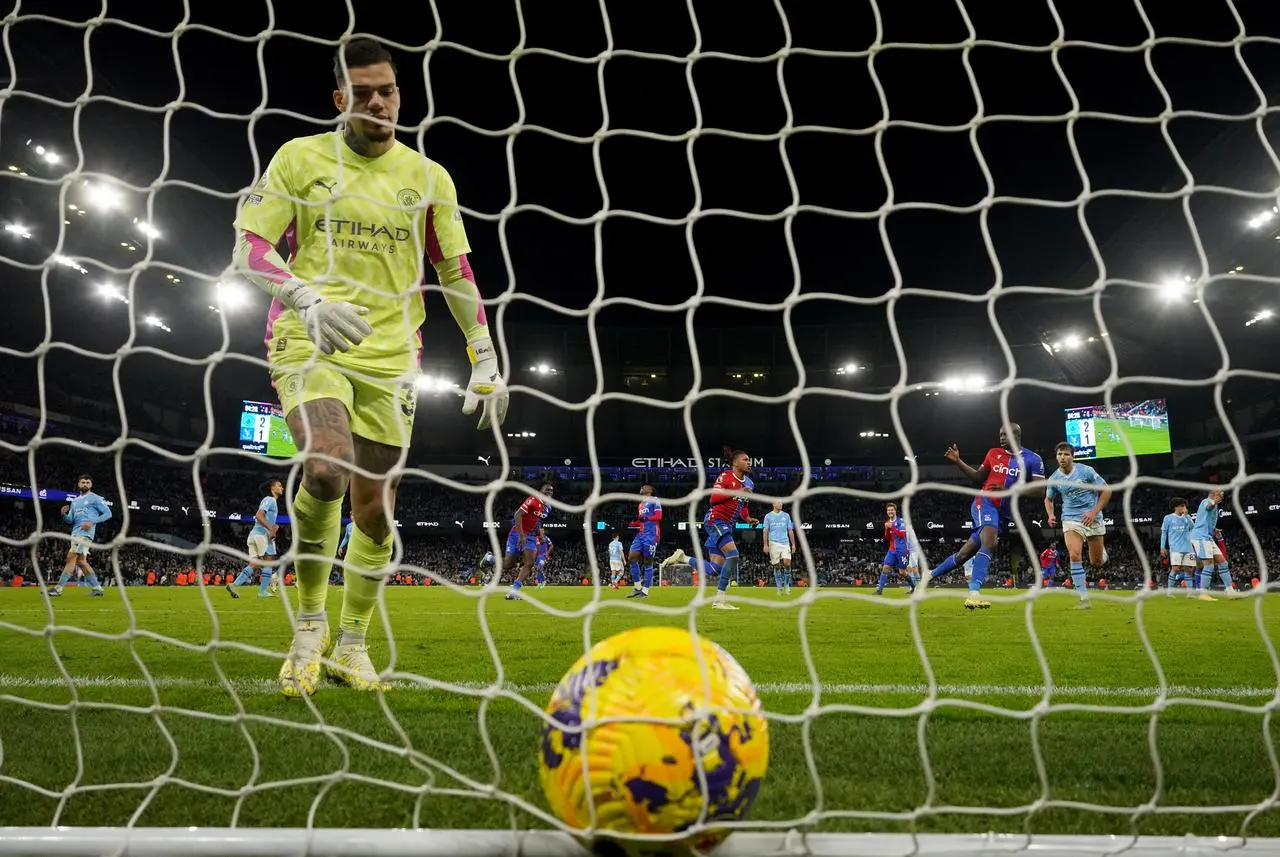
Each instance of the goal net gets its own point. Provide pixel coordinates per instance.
(842, 237)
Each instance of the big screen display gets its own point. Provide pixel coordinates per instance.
(263, 430)
(1098, 432)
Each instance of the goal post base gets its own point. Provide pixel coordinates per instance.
(355, 842)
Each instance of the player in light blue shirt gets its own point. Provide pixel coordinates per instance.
(1205, 546)
(83, 513)
(615, 560)
(260, 540)
(779, 545)
(1084, 494)
(1175, 546)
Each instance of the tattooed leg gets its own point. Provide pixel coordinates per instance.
(323, 428)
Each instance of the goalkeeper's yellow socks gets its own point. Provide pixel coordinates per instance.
(316, 530)
(360, 592)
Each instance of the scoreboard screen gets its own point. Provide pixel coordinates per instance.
(1097, 431)
(264, 431)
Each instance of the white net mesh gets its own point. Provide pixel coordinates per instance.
(151, 716)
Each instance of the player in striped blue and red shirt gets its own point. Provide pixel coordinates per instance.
(543, 554)
(645, 544)
(1049, 564)
(728, 506)
(897, 558)
(522, 539)
(1002, 468)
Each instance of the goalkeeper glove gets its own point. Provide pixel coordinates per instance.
(331, 325)
(485, 382)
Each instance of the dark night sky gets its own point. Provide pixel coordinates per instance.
(879, 199)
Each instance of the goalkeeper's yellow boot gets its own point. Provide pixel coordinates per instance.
(1205, 596)
(973, 602)
(351, 666)
(300, 673)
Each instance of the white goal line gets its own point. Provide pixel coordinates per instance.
(253, 842)
(268, 686)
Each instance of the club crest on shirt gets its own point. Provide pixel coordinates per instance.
(408, 197)
(293, 386)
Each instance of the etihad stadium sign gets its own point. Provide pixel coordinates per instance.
(688, 463)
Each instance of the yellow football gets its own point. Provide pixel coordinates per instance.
(609, 765)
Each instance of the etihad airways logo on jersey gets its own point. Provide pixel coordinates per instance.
(367, 237)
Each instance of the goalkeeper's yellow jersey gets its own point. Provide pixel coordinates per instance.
(361, 230)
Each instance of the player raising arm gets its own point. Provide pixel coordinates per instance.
(1084, 495)
(724, 511)
(83, 513)
(645, 544)
(1002, 468)
(1175, 546)
(361, 214)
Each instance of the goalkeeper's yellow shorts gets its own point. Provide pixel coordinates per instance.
(381, 409)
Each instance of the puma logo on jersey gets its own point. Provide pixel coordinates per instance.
(326, 183)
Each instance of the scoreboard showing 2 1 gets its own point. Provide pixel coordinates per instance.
(264, 431)
(1082, 432)
(1102, 431)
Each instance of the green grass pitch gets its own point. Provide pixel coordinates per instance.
(1145, 441)
(208, 741)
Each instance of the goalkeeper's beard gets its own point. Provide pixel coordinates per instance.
(361, 133)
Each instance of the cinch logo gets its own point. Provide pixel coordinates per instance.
(1005, 470)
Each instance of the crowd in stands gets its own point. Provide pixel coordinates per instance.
(419, 498)
(161, 543)
(158, 555)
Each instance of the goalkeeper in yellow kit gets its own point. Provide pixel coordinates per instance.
(361, 214)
